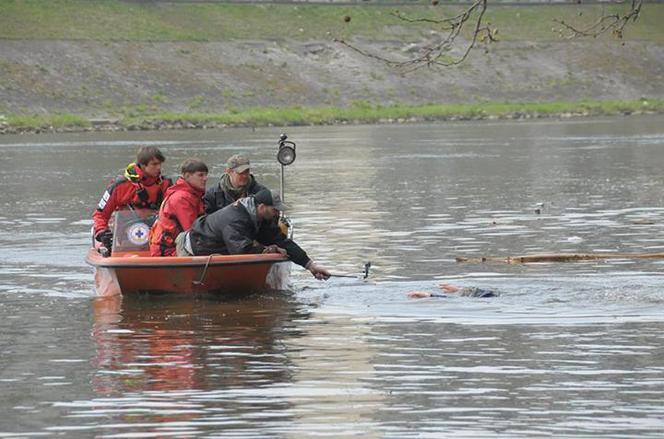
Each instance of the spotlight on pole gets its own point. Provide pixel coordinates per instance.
(285, 156)
(286, 153)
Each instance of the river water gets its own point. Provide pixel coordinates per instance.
(566, 350)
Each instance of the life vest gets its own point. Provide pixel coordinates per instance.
(168, 227)
(132, 189)
(163, 234)
(145, 196)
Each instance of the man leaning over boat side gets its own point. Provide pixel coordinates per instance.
(182, 204)
(245, 227)
(237, 182)
(141, 186)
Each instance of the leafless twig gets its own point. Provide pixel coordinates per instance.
(612, 22)
(453, 49)
(439, 53)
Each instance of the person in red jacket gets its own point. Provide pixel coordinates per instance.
(182, 204)
(141, 186)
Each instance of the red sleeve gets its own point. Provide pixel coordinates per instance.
(186, 212)
(113, 197)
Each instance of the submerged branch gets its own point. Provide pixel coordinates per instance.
(558, 257)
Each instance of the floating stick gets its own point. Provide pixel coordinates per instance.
(557, 257)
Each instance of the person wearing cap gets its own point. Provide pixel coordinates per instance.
(237, 182)
(244, 227)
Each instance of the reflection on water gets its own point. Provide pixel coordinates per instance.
(168, 365)
(274, 365)
(566, 350)
(162, 358)
(159, 343)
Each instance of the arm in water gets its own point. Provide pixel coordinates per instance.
(453, 289)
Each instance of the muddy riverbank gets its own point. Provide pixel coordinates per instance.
(195, 66)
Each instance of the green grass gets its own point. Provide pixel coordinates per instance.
(115, 20)
(537, 22)
(360, 112)
(60, 120)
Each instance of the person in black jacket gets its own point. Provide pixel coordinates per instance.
(237, 182)
(246, 226)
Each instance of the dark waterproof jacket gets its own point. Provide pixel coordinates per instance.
(217, 197)
(233, 230)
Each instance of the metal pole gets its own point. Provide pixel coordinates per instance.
(283, 198)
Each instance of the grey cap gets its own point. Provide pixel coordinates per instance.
(238, 163)
(270, 198)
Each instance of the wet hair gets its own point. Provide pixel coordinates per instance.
(193, 165)
(147, 153)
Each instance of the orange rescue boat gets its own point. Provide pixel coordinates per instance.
(130, 269)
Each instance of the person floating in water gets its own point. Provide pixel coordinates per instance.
(453, 289)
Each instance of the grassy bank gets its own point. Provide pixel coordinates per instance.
(135, 63)
(115, 20)
(358, 113)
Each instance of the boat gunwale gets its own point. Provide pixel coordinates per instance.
(174, 262)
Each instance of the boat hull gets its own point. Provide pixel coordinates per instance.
(132, 273)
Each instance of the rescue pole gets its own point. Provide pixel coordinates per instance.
(364, 276)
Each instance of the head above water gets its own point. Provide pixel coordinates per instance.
(238, 169)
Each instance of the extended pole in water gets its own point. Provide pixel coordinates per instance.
(366, 272)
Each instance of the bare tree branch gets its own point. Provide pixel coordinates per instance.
(450, 48)
(612, 22)
(440, 52)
